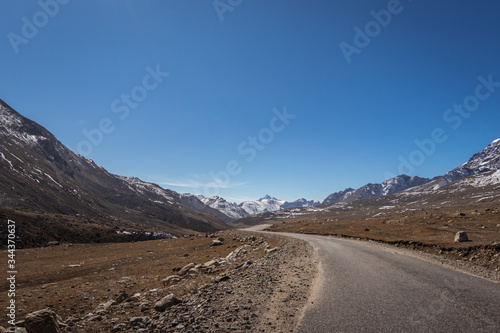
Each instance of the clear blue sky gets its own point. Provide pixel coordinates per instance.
(353, 121)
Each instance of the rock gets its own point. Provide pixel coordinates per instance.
(242, 250)
(103, 307)
(218, 241)
(122, 297)
(42, 321)
(53, 243)
(171, 280)
(271, 250)
(139, 320)
(135, 297)
(461, 236)
(221, 278)
(119, 327)
(14, 330)
(186, 269)
(245, 265)
(215, 262)
(166, 302)
(95, 318)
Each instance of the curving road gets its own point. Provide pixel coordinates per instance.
(368, 288)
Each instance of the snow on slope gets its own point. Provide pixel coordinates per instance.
(485, 161)
(229, 209)
(233, 211)
(390, 186)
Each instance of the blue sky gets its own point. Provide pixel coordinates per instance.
(265, 99)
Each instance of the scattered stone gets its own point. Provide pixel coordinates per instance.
(244, 265)
(95, 318)
(461, 236)
(74, 266)
(269, 250)
(135, 297)
(42, 321)
(221, 278)
(13, 330)
(171, 280)
(139, 320)
(103, 307)
(186, 269)
(218, 241)
(122, 297)
(166, 302)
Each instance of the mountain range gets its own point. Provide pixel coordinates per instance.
(42, 180)
(232, 211)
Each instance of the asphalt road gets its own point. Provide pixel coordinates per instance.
(369, 288)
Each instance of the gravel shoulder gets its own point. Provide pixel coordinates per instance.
(267, 296)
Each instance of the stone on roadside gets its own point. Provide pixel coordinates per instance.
(166, 302)
(42, 321)
(461, 236)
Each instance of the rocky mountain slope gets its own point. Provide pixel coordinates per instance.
(390, 186)
(483, 162)
(39, 174)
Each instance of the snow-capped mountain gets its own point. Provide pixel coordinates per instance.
(262, 205)
(231, 211)
(215, 205)
(390, 186)
(271, 204)
(485, 161)
(302, 202)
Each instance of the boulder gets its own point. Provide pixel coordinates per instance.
(461, 236)
(42, 321)
(166, 302)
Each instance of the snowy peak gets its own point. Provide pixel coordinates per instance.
(224, 210)
(267, 197)
(231, 211)
(485, 161)
(390, 186)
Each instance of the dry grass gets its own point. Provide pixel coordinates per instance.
(46, 279)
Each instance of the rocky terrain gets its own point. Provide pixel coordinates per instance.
(230, 281)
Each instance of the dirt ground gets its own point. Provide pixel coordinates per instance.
(73, 280)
